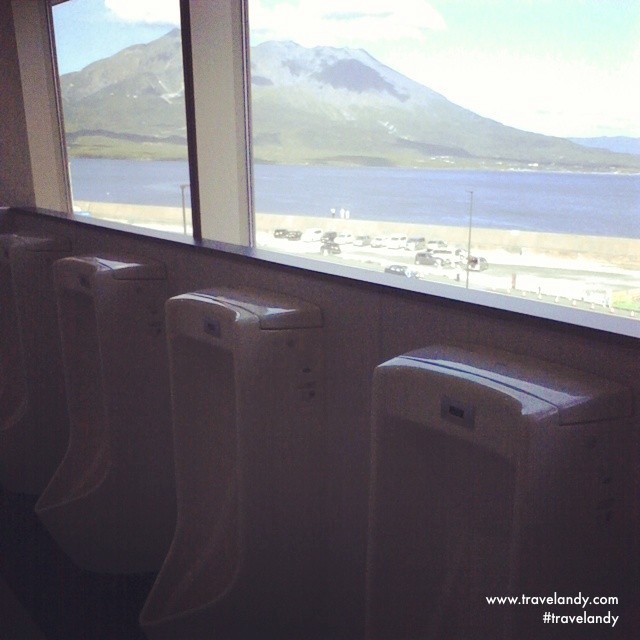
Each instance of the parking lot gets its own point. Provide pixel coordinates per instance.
(576, 280)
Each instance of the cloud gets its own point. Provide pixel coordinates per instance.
(145, 11)
(343, 22)
(554, 96)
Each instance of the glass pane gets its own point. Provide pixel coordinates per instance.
(489, 144)
(122, 86)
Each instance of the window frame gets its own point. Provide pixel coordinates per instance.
(216, 45)
(221, 188)
(33, 25)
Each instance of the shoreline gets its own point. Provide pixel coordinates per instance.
(630, 171)
(595, 271)
(481, 237)
(622, 250)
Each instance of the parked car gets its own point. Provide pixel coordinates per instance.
(397, 241)
(312, 235)
(362, 241)
(476, 263)
(330, 248)
(401, 270)
(329, 236)
(344, 238)
(294, 235)
(448, 257)
(378, 241)
(429, 258)
(415, 243)
(436, 244)
(280, 233)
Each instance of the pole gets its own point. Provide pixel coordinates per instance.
(469, 235)
(184, 209)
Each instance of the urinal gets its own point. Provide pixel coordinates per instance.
(493, 475)
(33, 416)
(246, 381)
(111, 503)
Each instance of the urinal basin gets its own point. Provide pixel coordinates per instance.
(111, 503)
(33, 415)
(246, 380)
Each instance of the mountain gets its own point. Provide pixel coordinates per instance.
(619, 144)
(319, 105)
(342, 105)
(135, 96)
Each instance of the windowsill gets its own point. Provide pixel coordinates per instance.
(509, 302)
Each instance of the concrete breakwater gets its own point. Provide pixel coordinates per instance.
(625, 250)
(622, 251)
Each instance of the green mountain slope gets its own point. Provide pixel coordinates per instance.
(320, 105)
(128, 105)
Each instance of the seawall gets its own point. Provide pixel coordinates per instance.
(624, 251)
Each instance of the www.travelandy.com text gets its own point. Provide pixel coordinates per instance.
(554, 617)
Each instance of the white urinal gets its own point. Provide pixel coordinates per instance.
(493, 475)
(34, 427)
(246, 381)
(111, 503)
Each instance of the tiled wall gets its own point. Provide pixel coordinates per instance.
(364, 325)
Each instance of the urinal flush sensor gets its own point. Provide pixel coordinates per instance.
(458, 412)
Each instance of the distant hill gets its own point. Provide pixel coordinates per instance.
(319, 105)
(619, 144)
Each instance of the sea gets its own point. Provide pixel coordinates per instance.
(572, 203)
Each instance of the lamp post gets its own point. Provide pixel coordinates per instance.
(184, 209)
(469, 235)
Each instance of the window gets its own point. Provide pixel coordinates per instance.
(123, 102)
(482, 150)
(503, 135)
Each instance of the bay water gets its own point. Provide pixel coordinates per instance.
(572, 203)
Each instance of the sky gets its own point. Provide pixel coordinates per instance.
(557, 67)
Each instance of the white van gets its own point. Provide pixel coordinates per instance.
(312, 235)
(344, 238)
(415, 243)
(397, 241)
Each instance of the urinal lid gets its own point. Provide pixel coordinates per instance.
(36, 243)
(273, 310)
(48, 244)
(578, 396)
(117, 268)
(132, 269)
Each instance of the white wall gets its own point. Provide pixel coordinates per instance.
(16, 181)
